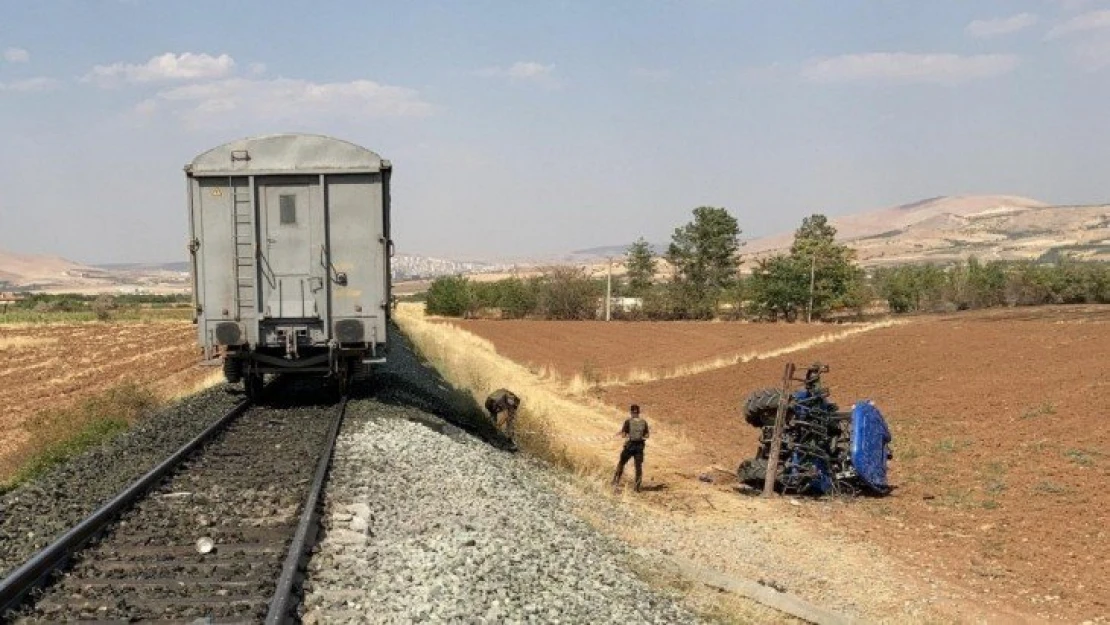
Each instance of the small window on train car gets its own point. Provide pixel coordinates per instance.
(288, 205)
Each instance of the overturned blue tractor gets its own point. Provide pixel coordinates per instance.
(824, 450)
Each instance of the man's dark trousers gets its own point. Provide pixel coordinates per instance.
(632, 450)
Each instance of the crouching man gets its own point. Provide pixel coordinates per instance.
(635, 432)
(503, 401)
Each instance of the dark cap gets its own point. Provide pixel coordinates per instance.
(635, 409)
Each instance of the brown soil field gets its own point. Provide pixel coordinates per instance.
(1001, 437)
(617, 349)
(48, 366)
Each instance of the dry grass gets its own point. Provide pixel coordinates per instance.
(173, 392)
(574, 432)
(16, 343)
(57, 435)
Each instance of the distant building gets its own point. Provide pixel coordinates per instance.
(619, 305)
(626, 304)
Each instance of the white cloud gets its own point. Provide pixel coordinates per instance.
(529, 71)
(165, 67)
(651, 75)
(16, 55)
(1087, 22)
(283, 99)
(903, 67)
(31, 85)
(1001, 25)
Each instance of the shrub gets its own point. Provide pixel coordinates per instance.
(103, 306)
(449, 296)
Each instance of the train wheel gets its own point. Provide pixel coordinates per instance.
(343, 376)
(252, 383)
(233, 369)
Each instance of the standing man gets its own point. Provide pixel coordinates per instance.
(503, 400)
(635, 431)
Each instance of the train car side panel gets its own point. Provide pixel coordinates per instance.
(214, 249)
(359, 247)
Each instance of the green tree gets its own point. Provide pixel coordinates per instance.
(703, 254)
(517, 298)
(779, 287)
(449, 296)
(569, 293)
(829, 267)
(641, 268)
(815, 236)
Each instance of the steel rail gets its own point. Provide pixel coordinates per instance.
(15, 587)
(283, 600)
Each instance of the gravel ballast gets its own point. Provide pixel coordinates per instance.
(423, 526)
(35, 513)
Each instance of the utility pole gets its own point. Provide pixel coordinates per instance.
(608, 289)
(776, 433)
(812, 277)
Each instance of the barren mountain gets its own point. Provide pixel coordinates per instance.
(53, 274)
(944, 229)
(26, 270)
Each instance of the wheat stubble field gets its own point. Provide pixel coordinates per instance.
(1002, 441)
(51, 367)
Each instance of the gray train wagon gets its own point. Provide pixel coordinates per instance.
(290, 250)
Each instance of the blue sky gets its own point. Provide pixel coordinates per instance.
(523, 128)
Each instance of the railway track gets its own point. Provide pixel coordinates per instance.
(218, 531)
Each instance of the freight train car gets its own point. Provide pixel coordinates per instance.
(290, 249)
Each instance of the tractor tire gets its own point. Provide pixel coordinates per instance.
(233, 370)
(761, 407)
(753, 472)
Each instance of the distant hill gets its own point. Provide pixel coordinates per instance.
(613, 251)
(33, 270)
(948, 228)
(54, 274)
(941, 229)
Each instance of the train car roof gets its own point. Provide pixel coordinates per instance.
(286, 154)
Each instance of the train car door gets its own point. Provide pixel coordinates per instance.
(291, 244)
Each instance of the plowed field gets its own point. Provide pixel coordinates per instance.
(44, 366)
(1002, 440)
(647, 350)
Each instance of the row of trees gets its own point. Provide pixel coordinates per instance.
(817, 277)
(914, 288)
(560, 293)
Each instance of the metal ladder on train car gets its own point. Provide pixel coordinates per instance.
(246, 268)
